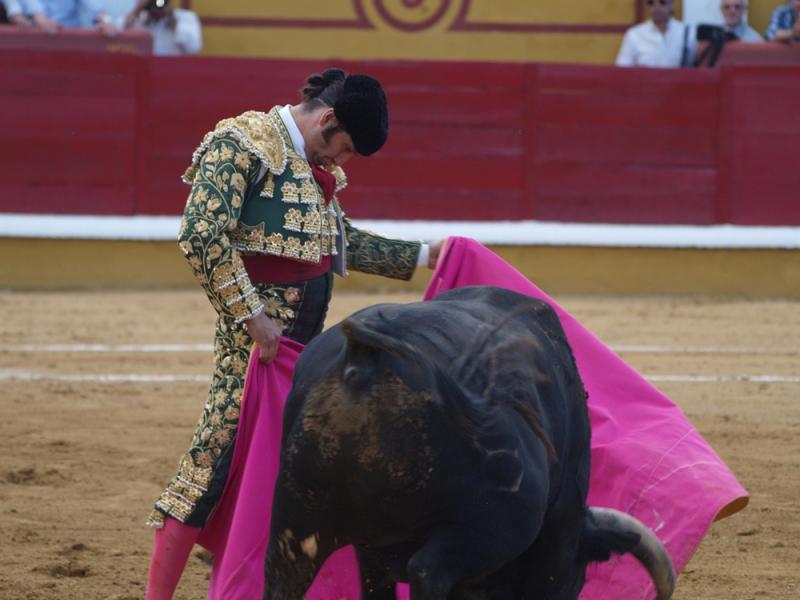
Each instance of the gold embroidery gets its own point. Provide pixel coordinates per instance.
(300, 168)
(223, 276)
(247, 238)
(312, 222)
(292, 247)
(293, 220)
(309, 193)
(341, 178)
(274, 243)
(290, 192)
(311, 250)
(370, 253)
(180, 497)
(256, 131)
(269, 186)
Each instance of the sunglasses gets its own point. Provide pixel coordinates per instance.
(661, 2)
(732, 6)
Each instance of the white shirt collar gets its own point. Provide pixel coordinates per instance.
(297, 138)
(671, 23)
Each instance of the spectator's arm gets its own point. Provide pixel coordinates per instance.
(101, 20)
(37, 13)
(626, 56)
(774, 26)
(784, 35)
(131, 20)
(187, 32)
(15, 13)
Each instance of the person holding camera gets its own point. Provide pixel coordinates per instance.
(661, 41)
(175, 31)
(712, 38)
(784, 26)
(733, 12)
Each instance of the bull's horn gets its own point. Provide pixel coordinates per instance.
(649, 551)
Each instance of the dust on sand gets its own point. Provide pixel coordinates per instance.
(83, 459)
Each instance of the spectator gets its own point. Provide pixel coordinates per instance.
(11, 12)
(175, 31)
(734, 12)
(661, 41)
(51, 15)
(784, 25)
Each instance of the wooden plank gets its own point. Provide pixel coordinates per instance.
(631, 110)
(66, 198)
(445, 174)
(596, 79)
(585, 180)
(646, 207)
(362, 201)
(421, 141)
(665, 146)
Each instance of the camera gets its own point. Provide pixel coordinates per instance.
(714, 34)
(716, 37)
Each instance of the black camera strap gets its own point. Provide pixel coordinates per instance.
(685, 52)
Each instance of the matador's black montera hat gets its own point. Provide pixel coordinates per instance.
(361, 111)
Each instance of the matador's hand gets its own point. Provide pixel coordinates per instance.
(434, 249)
(266, 333)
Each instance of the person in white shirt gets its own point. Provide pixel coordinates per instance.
(734, 12)
(175, 31)
(661, 41)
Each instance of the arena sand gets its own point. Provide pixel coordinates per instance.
(82, 461)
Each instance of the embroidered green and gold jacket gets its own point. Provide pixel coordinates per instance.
(253, 193)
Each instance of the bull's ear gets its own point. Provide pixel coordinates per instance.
(370, 335)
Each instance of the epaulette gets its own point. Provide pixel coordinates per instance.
(256, 132)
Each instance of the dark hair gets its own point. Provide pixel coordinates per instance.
(359, 103)
(324, 89)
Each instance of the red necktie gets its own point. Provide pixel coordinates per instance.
(325, 180)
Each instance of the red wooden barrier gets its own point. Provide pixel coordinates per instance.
(111, 134)
(133, 41)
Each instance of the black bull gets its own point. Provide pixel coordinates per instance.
(449, 442)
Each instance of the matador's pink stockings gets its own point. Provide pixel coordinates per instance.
(171, 547)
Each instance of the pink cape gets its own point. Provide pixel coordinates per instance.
(647, 459)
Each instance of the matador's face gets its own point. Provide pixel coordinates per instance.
(327, 146)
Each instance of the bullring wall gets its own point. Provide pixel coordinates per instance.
(111, 134)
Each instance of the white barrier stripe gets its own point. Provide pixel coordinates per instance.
(111, 378)
(524, 233)
(627, 348)
(646, 349)
(12, 375)
(722, 378)
(108, 348)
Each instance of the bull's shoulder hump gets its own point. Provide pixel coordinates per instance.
(492, 296)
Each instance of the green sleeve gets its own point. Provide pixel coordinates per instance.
(369, 252)
(214, 207)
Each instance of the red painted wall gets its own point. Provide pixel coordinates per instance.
(111, 134)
